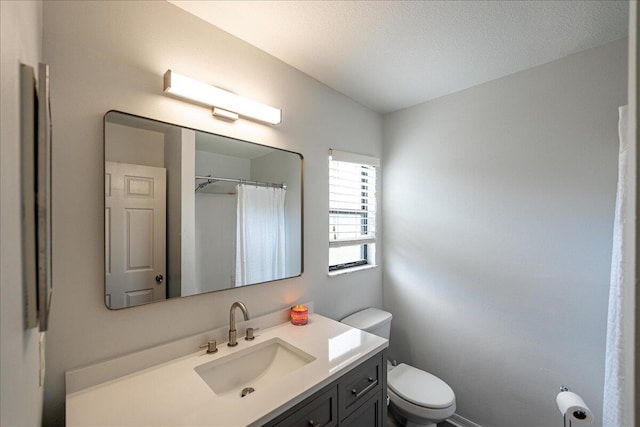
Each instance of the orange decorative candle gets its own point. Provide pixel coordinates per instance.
(299, 315)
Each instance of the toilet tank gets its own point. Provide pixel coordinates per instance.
(372, 320)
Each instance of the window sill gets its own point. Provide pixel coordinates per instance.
(351, 270)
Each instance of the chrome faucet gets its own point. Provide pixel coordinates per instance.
(232, 322)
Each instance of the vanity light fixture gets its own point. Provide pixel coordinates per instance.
(225, 104)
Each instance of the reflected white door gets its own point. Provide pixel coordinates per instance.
(135, 234)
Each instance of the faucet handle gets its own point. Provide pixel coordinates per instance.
(249, 336)
(210, 346)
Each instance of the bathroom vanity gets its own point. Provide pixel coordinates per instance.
(357, 398)
(324, 373)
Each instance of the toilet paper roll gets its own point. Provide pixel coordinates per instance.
(574, 409)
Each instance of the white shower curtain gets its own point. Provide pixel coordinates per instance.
(260, 235)
(622, 277)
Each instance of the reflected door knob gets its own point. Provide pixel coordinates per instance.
(159, 278)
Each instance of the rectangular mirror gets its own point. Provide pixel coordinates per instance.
(189, 212)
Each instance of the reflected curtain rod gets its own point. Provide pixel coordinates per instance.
(211, 179)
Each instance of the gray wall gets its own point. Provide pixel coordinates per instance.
(97, 66)
(128, 144)
(173, 163)
(499, 205)
(20, 42)
(215, 241)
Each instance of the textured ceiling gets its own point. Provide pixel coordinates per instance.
(389, 55)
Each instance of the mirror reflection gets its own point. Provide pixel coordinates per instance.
(189, 212)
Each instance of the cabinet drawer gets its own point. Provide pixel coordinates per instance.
(321, 410)
(360, 384)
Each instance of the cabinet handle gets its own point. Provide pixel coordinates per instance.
(372, 384)
(313, 423)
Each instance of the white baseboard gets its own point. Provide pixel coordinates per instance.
(459, 421)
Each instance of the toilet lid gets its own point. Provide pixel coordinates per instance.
(420, 387)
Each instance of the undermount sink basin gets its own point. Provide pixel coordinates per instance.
(252, 368)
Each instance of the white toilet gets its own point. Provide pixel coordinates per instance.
(417, 396)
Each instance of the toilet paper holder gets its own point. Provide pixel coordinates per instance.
(577, 414)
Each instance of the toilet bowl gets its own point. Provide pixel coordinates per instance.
(420, 398)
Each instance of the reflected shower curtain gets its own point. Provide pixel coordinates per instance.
(622, 277)
(260, 235)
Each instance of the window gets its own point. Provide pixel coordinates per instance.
(352, 210)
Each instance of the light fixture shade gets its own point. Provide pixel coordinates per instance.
(202, 93)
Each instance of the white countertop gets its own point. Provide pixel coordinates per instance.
(173, 394)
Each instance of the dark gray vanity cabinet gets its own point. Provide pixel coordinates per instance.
(357, 399)
(370, 414)
(321, 409)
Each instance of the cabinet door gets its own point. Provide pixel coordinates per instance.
(367, 415)
(318, 410)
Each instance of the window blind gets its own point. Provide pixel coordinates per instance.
(352, 202)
